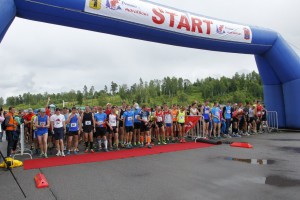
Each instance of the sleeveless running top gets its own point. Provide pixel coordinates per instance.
(206, 112)
(42, 121)
(73, 124)
(174, 115)
(259, 110)
(112, 120)
(181, 117)
(168, 116)
(159, 116)
(87, 120)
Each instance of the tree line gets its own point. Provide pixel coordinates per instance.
(239, 88)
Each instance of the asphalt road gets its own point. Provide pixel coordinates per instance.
(269, 171)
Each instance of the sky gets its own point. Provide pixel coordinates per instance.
(37, 57)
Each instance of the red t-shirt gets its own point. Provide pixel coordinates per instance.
(108, 112)
(28, 117)
(48, 111)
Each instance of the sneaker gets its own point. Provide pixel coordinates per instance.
(41, 155)
(62, 154)
(69, 152)
(158, 142)
(228, 136)
(237, 135)
(105, 150)
(134, 144)
(164, 142)
(75, 152)
(58, 153)
(92, 151)
(86, 150)
(149, 146)
(45, 155)
(183, 141)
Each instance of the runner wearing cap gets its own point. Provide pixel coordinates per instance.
(42, 124)
(137, 125)
(59, 127)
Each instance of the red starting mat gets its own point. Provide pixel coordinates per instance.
(113, 155)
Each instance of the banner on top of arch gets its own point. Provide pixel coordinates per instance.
(156, 16)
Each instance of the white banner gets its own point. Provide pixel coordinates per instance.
(147, 14)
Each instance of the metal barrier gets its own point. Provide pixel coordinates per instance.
(272, 121)
(22, 149)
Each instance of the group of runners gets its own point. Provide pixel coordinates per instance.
(113, 127)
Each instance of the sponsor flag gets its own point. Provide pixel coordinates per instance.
(190, 122)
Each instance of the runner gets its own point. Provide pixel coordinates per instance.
(168, 123)
(159, 122)
(137, 125)
(59, 128)
(128, 125)
(74, 123)
(194, 112)
(28, 127)
(113, 129)
(100, 120)
(42, 123)
(181, 121)
(216, 120)
(88, 127)
(252, 121)
(206, 117)
(258, 112)
(227, 110)
(121, 123)
(175, 124)
(144, 117)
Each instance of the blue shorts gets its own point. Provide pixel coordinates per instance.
(168, 125)
(216, 121)
(41, 133)
(59, 133)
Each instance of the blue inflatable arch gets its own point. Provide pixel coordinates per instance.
(278, 64)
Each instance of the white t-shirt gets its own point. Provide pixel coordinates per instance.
(58, 120)
(112, 120)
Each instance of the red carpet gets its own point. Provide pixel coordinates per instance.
(114, 155)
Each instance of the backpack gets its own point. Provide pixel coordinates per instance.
(4, 125)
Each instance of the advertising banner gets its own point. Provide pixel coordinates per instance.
(190, 122)
(159, 17)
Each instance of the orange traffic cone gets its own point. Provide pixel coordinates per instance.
(41, 181)
(241, 145)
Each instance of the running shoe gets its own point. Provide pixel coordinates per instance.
(237, 135)
(105, 150)
(68, 152)
(149, 146)
(58, 153)
(134, 144)
(164, 142)
(75, 152)
(41, 155)
(86, 151)
(183, 141)
(62, 154)
(228, 136)
(45, 155)
(92, 151)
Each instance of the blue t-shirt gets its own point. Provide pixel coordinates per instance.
(128, 116)
(144, 115)
(100, 117)
(136, 114)
(216, 112)
(228, 112)
(73, 124)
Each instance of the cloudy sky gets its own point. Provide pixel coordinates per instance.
(37, 57)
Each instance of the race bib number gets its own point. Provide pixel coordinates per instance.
(259, 113)
(136, 117)
(129, 118)
(228, 111)
(42, 123)
(217, 114)
(206, 111)
(101, 122)
(174, 116)
(181, 117)
(88, 123)
(73, 125)
(145, 118)
(159, 119)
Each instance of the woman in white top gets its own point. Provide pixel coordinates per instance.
(194, 112)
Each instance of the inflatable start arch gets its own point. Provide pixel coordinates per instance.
(278, 64)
